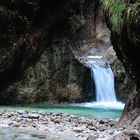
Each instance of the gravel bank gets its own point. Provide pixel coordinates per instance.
(60, 125)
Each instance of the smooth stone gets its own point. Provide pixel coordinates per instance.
(78, 129)
(29, 120)
(33, 116)
(56, 121)
(22, 112)
(18, 119)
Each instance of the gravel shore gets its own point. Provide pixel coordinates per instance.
(60, 124)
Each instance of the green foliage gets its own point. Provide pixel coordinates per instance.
(120, 12)
(114, 7)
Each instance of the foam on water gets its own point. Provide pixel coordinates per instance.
(103, 105)
(94, 57)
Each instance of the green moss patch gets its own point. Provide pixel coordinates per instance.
(120, 12)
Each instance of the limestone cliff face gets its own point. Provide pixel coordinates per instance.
(36, 60)
(41, 46)
(123, 18)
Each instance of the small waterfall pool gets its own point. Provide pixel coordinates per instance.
(104, 105)
(103, 78)
(83, 109)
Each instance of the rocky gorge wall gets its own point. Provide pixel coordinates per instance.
(123, 18)
(36, 61)
(41, 46)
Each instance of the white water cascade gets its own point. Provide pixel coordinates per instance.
(104, 87)
(104, 83)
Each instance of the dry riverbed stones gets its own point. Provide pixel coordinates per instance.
(81, 127)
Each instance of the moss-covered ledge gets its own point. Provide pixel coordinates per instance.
(123, 19)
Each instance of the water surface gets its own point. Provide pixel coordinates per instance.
(76, 109)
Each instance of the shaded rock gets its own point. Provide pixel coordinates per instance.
(92, 128)
(134, 138)
(37, 63)
(102, 122)
(112, 123)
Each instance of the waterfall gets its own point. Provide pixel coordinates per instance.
(104, 83)
(103, 77)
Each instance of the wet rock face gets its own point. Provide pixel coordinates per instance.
(122, 81)
(15, 37)
(56, 77)
(92, 39)
(40, 49)
(125, 36)
(20, 45)
(36, 62)
(41, 44)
